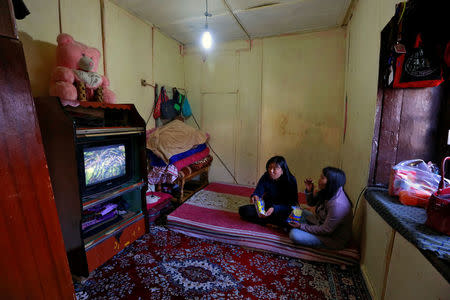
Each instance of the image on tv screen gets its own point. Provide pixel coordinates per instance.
(104, 163)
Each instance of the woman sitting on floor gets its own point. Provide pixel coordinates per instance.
(278, 190)
(331, 224)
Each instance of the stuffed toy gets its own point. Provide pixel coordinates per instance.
(75, 76)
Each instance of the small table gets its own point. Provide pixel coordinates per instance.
(194, 186)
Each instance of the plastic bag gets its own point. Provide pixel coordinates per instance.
(413, 181)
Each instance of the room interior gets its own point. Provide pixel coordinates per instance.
(297, 78)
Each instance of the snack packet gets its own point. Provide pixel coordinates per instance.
(296, 215)
(259, 204)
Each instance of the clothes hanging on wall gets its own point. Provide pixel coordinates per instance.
(170, 105)
(168, 111)
(185, 107)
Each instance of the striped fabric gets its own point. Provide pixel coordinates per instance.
(212, 214)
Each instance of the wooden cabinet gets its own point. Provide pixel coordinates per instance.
(112, 243)
(393, 267)
(100, 206)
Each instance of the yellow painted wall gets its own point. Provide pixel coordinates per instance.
(363, 47)
(168, 61)
(224, 89)
(249, 126)
(128, 52)
(289, 101)
(193, 82)
(38, 32)
(82, 20)
(376, 237)
(302, 97)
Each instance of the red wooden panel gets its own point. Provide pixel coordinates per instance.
(99, 254)
(33, 261)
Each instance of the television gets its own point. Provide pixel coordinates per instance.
(104, 164)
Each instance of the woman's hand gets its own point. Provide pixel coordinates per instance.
(253, 199)
(294, 224)
(309, 185)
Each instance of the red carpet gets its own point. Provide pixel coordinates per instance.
(168, 265)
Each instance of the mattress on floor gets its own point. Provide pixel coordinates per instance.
(212, 213)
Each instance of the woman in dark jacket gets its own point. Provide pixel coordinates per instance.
(331, 224)
(277, 187)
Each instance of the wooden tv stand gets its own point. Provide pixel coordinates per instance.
(65, 127)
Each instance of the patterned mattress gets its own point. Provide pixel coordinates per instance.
(212, 213)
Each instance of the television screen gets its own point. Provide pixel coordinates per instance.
(104, 163)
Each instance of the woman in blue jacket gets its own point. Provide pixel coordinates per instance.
(277, 187)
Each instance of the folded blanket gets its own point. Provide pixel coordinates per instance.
(155, 161)
(191, 159)
(174, 138)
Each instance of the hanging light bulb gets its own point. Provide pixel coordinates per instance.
(206, 37)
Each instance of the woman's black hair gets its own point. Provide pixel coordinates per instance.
(279, 160)
(335, 180)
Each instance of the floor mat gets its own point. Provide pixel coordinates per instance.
(213, 213)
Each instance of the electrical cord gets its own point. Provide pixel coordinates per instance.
(364, 189)
(221, 161)
(151, 113)
(359, 197)
(154, 104)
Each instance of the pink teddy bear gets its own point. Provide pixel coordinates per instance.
(76, 77)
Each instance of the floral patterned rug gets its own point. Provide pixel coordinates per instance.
(168, 265)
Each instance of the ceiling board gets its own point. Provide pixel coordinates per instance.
(184, 20)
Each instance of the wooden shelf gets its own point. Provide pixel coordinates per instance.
(99, 237)
(98, 199)
(104, 131)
